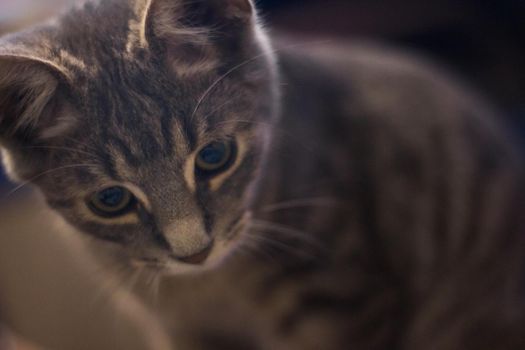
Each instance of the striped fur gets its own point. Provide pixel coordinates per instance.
(383, 209)
(119, 108)
(386, 218)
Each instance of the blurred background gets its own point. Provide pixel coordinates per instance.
(482, 41)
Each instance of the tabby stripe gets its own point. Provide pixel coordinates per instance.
(440, 195)
(367, 196)
(203, 193)
(108, 164)
(484, 176)
(124, 150)
(149, 146)
(191, 135)
(167, 135)
(371, 314)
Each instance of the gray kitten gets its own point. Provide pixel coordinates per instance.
(381, 202)
(116, 122)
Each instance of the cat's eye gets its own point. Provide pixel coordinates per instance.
(215, 158)
(112, 202)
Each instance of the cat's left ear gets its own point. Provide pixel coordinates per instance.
(29, 108)
(196, 32)
(28, 90)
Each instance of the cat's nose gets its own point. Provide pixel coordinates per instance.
(187, 238)
(198, 258)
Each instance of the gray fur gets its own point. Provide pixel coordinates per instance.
(132, 113)
(386, 212)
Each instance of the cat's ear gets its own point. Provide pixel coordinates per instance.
(172, 18)
(29, 109)
(28, 88)
(198, 31)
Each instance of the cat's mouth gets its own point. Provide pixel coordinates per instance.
(158, 264)
(198, 258)
(149, 263)
(210, 255)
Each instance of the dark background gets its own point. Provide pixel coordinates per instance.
(481, 41)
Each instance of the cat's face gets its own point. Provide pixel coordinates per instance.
(143, 122)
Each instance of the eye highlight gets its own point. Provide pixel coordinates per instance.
(215, 158)
(112, 202)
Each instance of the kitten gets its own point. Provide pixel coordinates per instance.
(90, 102)
(382, 203)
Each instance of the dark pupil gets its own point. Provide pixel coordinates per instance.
(112, 197)
(214, 153)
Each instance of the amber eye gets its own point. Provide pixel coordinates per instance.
(215, 158)
(112, 202)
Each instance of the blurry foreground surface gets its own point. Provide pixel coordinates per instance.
(53, 292)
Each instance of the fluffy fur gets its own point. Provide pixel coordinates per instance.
(381, 201)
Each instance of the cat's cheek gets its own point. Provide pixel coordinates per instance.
(229, 240)
(221, 251)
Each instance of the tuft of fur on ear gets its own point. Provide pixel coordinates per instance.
(197, 19)
(196, 32)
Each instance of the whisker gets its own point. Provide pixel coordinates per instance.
(251, 246)
(275, 129)
(64, 149)
(229, 121)
(283, 246)
(221, 106)
(18, 188)
(303, 203)
(210, 89)
(219, 80)
(156, 287)
(135, 279)
(111, 282)
(288, 231)
(81, 144)
(152, 285)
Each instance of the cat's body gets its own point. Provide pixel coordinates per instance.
(432, 191)
(381, 208)
(391, 218)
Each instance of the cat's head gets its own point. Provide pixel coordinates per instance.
(143, 122)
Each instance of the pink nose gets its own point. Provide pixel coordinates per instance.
(198, 258)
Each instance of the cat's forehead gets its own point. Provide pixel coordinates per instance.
(101, 49)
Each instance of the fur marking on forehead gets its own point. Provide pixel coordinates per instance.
(137, 27)
(166, 16)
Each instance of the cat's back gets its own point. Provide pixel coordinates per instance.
(389, 91)
(377, 78)
(433, 182)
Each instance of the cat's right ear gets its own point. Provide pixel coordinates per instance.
(169, 19)
(196, 33)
